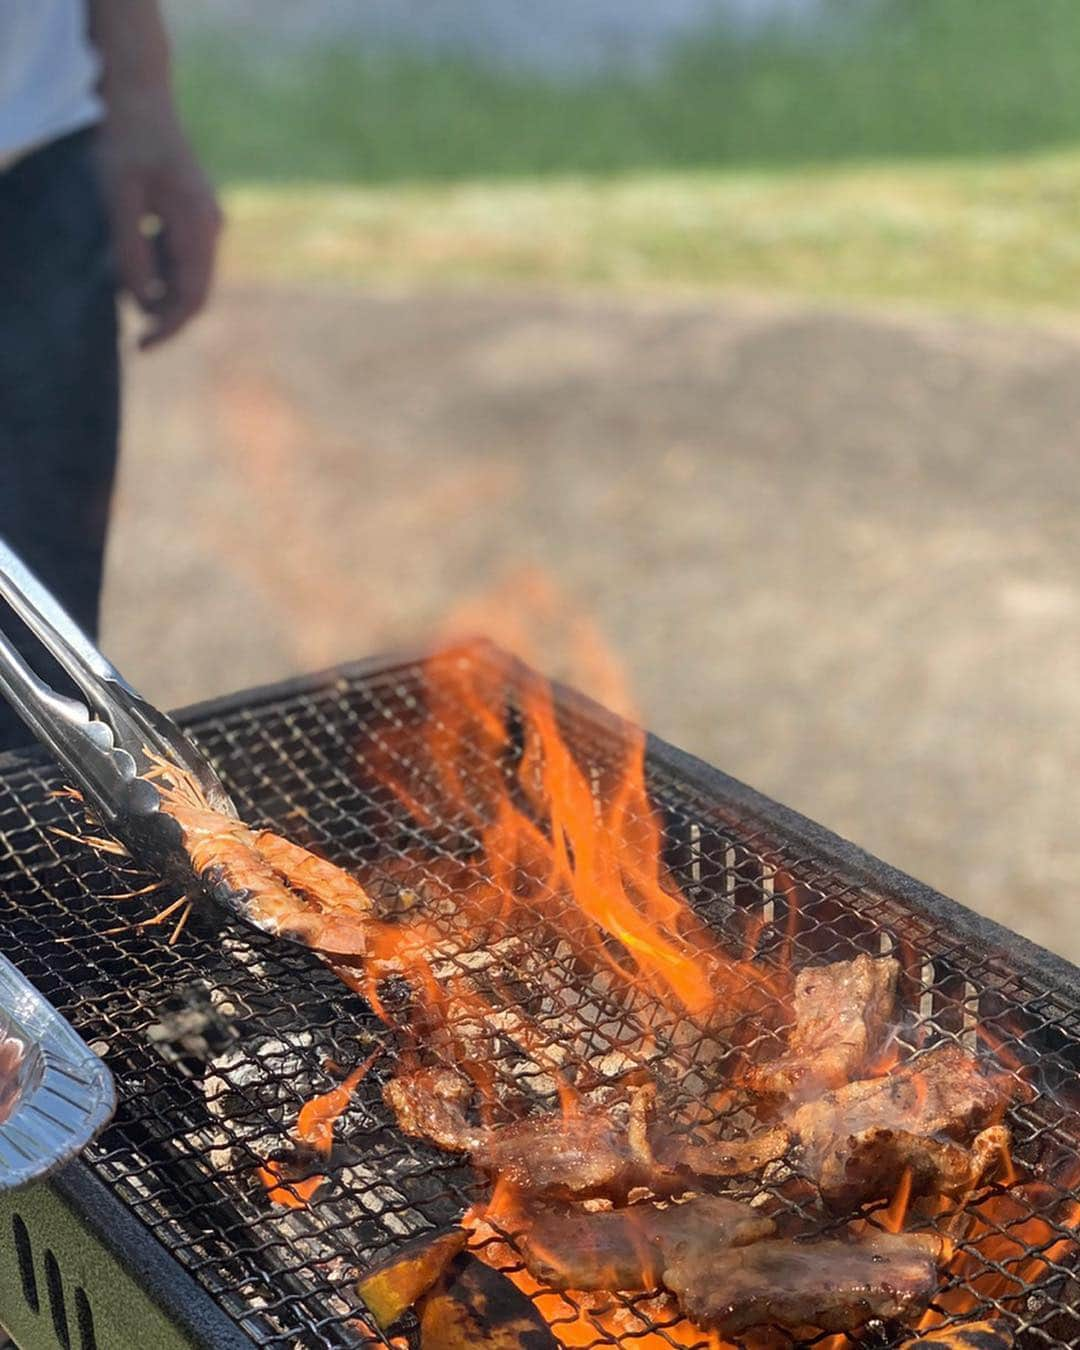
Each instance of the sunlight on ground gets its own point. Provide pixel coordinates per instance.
(998, 235)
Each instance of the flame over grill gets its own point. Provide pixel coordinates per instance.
(562, 907)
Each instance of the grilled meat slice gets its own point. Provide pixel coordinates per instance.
(589, 1153)
(854, 1143)
(723, 1157)
(857, 1141)
(576, 1156)
(430, 1104)
(833, 1285)
(595, 1152)
(841, 1012)
(630, 1248)
(871, 1164)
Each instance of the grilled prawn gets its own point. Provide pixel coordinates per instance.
(277, 885)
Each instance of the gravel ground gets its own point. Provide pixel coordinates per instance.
(838, 552)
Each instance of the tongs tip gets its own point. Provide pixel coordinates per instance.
(108, 744)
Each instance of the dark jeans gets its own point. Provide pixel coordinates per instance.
(59, 381)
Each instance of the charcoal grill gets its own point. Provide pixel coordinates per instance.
(161, 1235)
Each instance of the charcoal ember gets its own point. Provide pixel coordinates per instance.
(394, 1284)
(550, 1005)
(501, 1008)
(297, 1161)
(192, 1029)
(396, 997)
(478, 1308)
(258, 1081)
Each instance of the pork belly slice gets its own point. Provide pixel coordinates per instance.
(589, 1153)
(630, 1248)
(833, 1285)
(842, 1011)
(577, 1156)
(856, 1142)
(727, 1270)
(722, 1157)
(431, 1104)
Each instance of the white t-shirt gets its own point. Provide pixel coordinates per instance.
(48, 73)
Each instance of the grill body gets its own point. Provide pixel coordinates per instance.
(161, 1233)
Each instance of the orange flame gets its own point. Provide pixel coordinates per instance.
(610, 865)
(884, 1061)
(287, 1194)
(1009, 1174)
(314, 1126)
(893, 1218)
(1010, 1241)
(315, 1123)
(549, 832)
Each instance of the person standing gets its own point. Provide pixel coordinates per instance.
(100, 191)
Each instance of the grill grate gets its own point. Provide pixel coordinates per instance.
(189, 1136)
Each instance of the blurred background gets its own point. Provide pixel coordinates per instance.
(750, 323)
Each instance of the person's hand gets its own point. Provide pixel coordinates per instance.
(164, 214)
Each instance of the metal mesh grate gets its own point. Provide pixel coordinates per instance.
(272, 1024)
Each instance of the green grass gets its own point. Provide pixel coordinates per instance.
(890, 78)
(917, 150)
(989, 236)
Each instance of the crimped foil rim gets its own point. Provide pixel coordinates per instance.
(67, 1094)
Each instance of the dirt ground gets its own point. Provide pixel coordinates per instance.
(838, 553)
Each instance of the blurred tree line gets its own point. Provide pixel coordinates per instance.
(869, 79)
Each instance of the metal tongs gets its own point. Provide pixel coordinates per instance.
(107, 744)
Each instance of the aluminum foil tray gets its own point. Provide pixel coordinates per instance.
(55, 1093)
